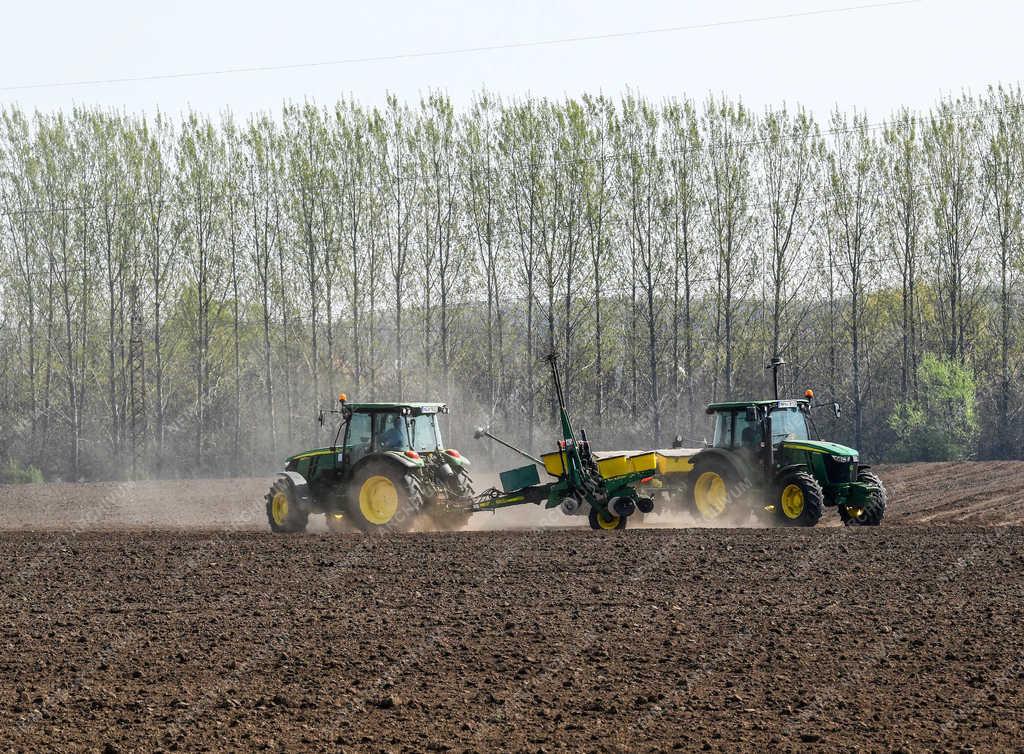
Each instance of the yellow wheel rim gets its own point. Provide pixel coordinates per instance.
(378, 500)
(607, 521)
(709, 494)
(792, 501)
(279, 507)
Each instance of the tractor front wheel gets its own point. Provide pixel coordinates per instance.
(873, 510)
(799, 500)
(283, 512)
(384, 497)
(604, 521)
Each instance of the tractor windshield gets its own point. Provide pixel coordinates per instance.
(789, 424)
(426, 435)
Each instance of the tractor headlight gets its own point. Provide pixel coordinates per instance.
(845, 459)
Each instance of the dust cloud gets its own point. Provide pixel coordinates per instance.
(978, 493)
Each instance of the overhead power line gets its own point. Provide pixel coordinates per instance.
(461, 50)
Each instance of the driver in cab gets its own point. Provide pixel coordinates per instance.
(393, 437)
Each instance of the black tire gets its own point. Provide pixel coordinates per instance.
(460, 486)
(874, 508)
(371, 506)
(716, 489)
(283, 512)
(799, 500)
(605, 521)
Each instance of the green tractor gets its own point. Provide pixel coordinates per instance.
(387, 469)
(763, 457)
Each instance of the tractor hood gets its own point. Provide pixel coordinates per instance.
(310, 453)
(820, 446)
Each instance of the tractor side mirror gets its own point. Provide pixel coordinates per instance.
(837, 409)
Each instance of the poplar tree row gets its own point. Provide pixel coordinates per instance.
(181, 295)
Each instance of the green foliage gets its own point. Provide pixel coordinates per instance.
(942, 423)
(15, 473)
(178, 295)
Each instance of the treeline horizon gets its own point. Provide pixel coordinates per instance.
(179, 296)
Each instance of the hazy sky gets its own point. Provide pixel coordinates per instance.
(874, 59)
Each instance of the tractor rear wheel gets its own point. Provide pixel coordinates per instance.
(716, 489)
(384, 496)
(283, 512)
(603, 521)
(799, 500)
(873, 511)
(459, 486)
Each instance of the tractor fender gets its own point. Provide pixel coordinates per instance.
(459, 460)
(398, 459)
(300, 487)
(790, 468)
(863, 466)
(402, 458)
(741, 467)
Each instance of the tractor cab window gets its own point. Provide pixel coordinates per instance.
(426, 435)
(358, 437)
(723, 430)
(391, 432)
(732, 430)
(747, 434)
(788, 424)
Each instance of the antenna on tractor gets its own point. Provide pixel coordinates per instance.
(774, 365)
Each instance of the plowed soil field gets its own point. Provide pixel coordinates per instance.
(162, 616)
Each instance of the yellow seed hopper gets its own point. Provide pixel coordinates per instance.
(611, 463)
(675, 460)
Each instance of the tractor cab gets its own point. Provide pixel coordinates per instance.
(756, 425)
(773, 433)
(408, 428)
